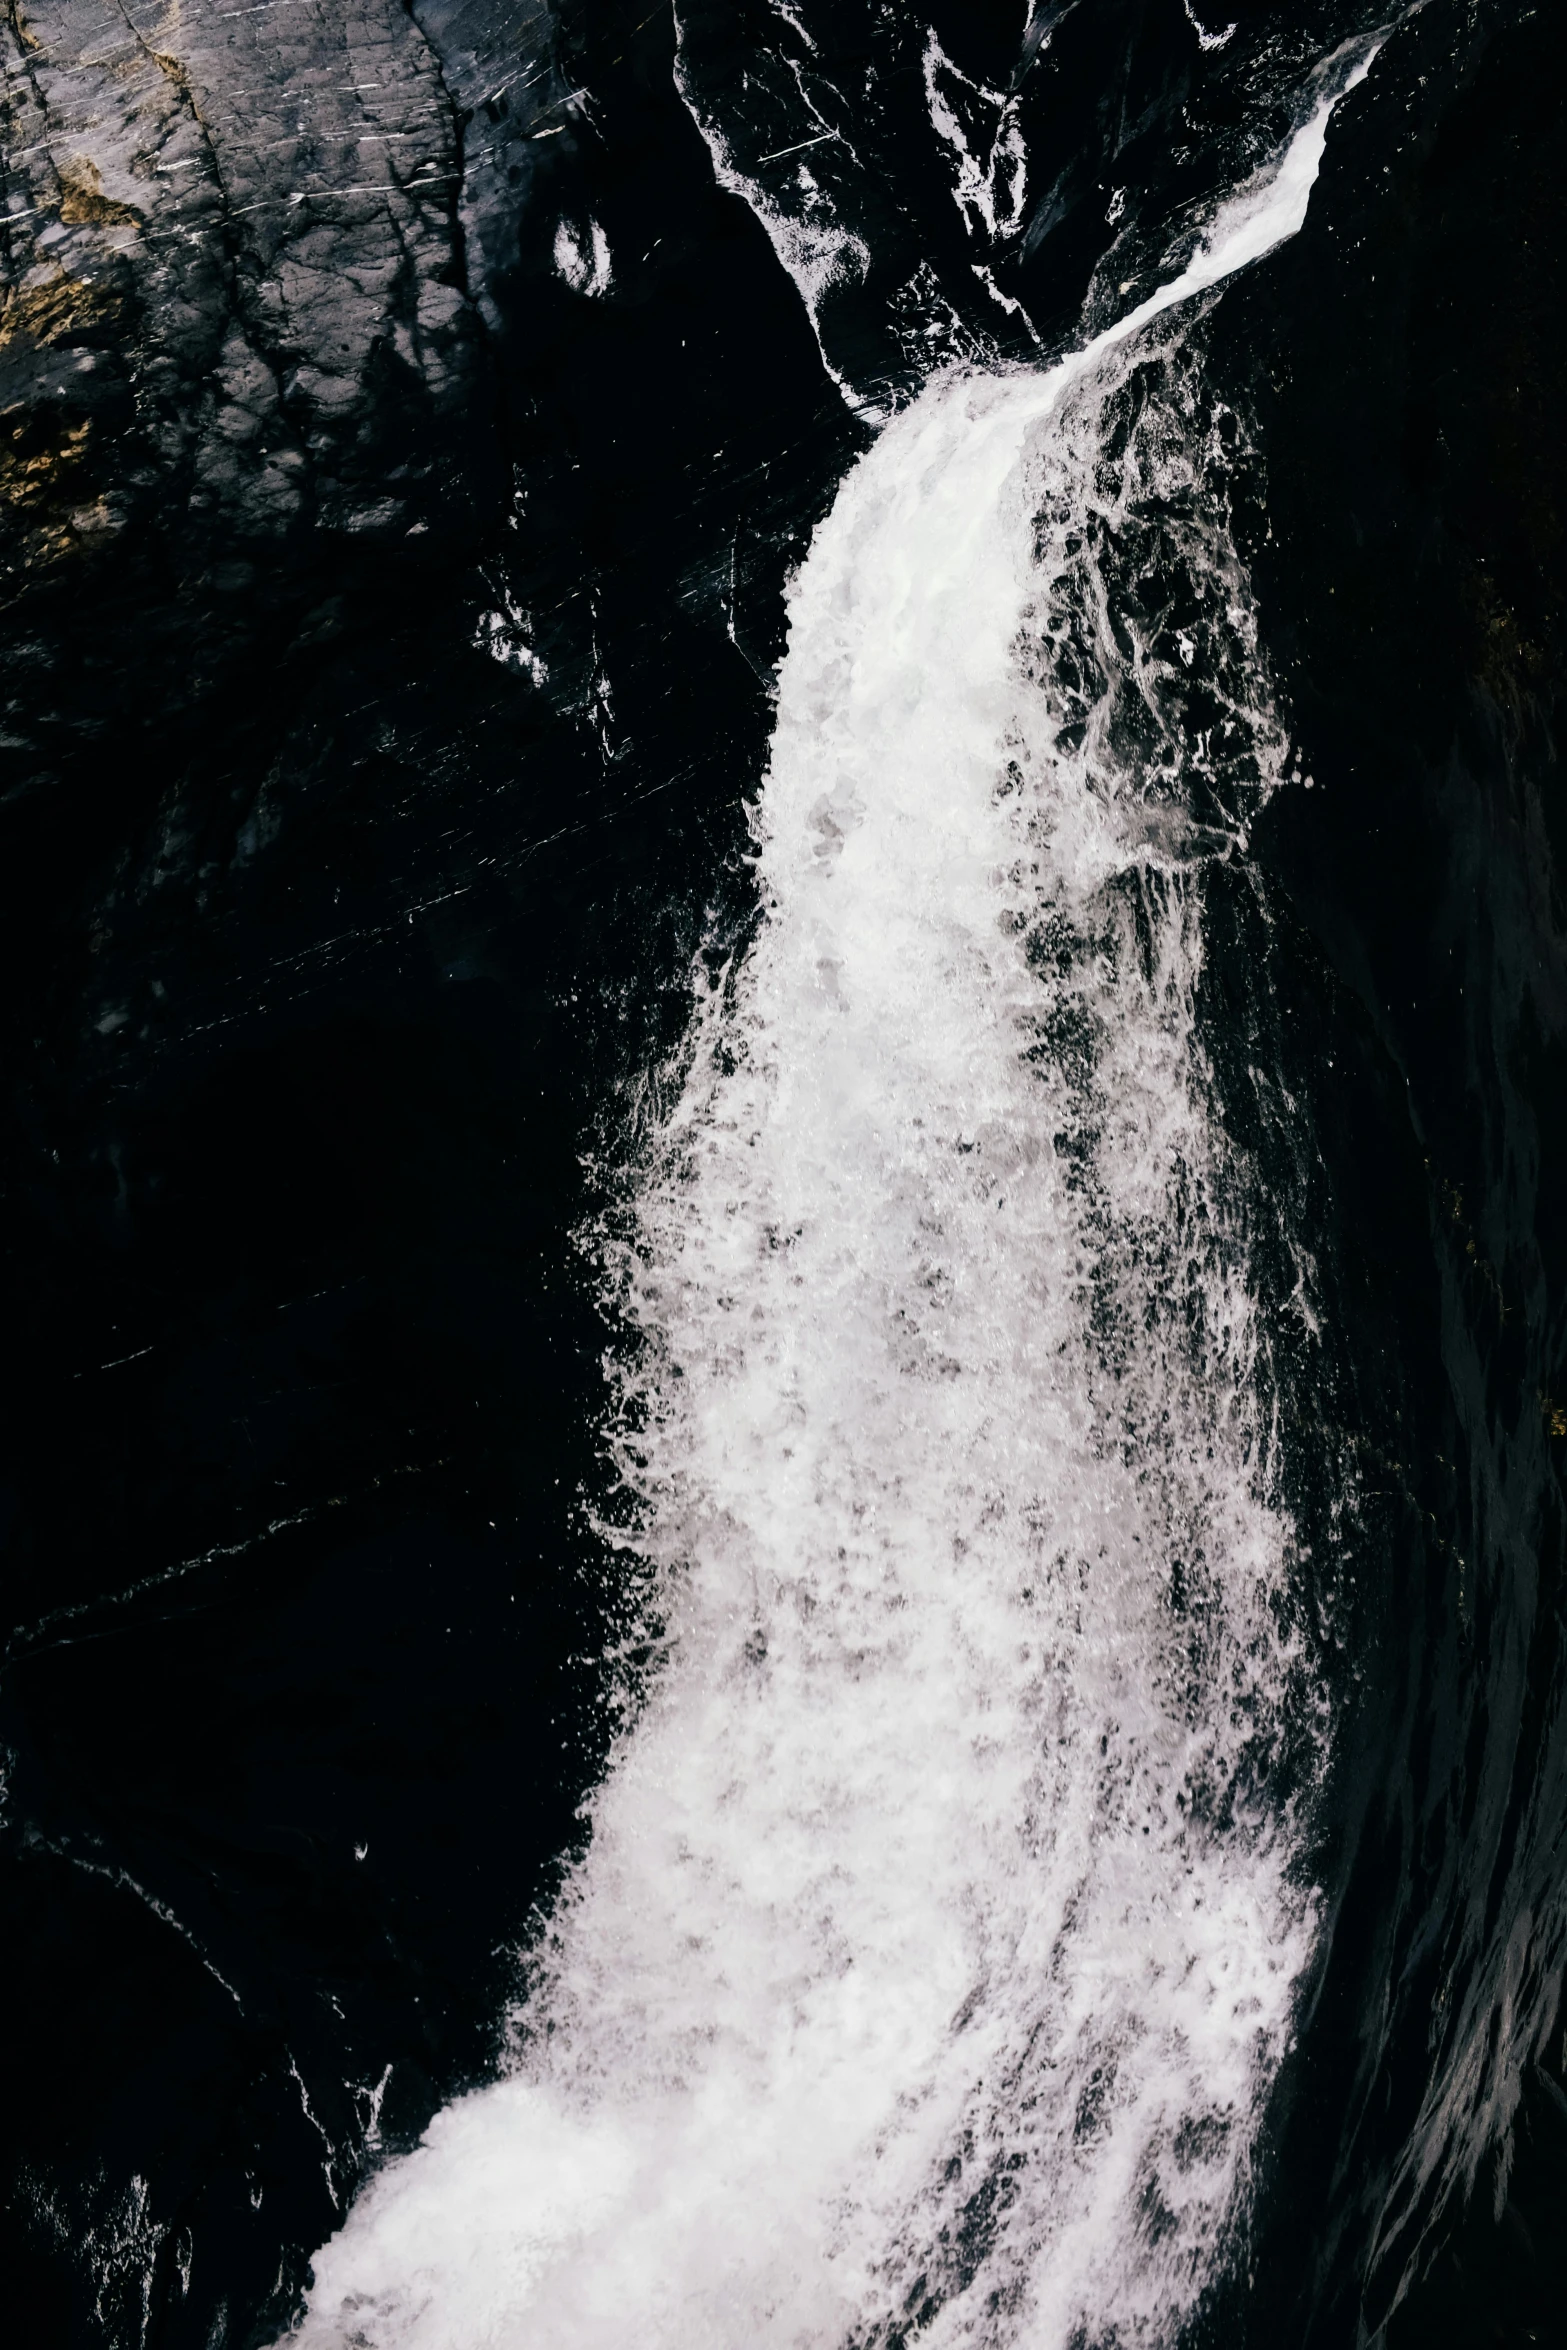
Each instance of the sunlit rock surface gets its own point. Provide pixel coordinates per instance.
(234, 243)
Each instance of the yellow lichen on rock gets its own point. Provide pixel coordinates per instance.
(50, 508)
(50, 308)
(41, 493)
(83, 202)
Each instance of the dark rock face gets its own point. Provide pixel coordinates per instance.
(250, 414)
(341, 874)
(1407, 543)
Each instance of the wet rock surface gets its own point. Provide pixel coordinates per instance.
(247, 220)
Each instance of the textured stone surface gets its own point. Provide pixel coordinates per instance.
(233, 235)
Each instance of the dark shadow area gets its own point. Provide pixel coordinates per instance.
(1405, 361)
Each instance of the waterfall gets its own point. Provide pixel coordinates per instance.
(937, 1939)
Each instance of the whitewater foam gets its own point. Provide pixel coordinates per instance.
(936, 1944)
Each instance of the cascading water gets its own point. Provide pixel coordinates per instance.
(937, 1941)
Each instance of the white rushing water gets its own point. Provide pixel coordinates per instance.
(934, 1950)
